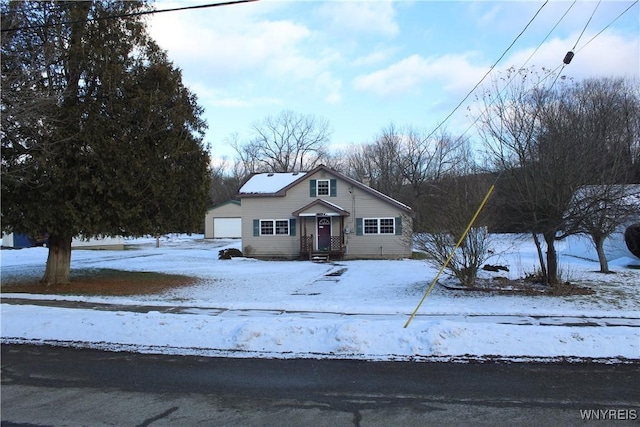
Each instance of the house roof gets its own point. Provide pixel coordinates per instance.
(321, 202)
(234, 202)
(277, 184)
(269, 183)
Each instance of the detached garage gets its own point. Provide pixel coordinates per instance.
(224, 221)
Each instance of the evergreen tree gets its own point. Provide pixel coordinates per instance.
(99, 135)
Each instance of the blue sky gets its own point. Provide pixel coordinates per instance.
(362, 65)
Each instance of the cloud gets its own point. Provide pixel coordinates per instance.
(330, 87)
(240, 98)
(379, 55)
(608, 54)
(225, 50)
(367, 17)
(454, 72)
(228, 50)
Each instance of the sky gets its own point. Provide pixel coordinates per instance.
(363, 65)
(354, 309)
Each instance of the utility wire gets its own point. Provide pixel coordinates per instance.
(491, 189)
(608, 25)
(128, 15)
(486, 197)
(493, 100)
(587, 24)
(566, 62)
(488, 72)
(594, 37)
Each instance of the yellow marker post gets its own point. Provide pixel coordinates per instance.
(448, 260)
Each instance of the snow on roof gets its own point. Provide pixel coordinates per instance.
(267, 183)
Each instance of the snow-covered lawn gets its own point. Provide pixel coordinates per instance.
(347, 309)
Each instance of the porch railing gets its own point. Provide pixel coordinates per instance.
(307, 246)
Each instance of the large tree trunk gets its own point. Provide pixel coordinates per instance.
(59, 261)
(552, 258)
(599, 243)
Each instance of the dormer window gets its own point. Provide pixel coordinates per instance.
(323, 187)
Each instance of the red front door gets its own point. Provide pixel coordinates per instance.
(324, 233)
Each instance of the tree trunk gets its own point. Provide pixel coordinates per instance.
(543, 267)
(58, 262)
(599, 243)
(552, 258)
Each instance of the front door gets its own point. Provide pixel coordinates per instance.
(324, 233)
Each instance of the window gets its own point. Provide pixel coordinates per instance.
(370, 226)
(379, 226)
(282, 227)
(266, 227)
(387, 226)
(271, 227)
(323, 187)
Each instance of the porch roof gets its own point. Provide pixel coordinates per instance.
(331, 209)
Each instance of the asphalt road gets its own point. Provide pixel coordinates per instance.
(52, 386)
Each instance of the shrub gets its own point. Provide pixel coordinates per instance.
(467, 259)
(229, 253)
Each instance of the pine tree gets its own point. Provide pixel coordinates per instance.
(99, 135)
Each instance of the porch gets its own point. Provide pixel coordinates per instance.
(335, 250)
(325, 238)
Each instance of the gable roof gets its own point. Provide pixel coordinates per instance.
(266, 185)
(269, 183)
(323, 203)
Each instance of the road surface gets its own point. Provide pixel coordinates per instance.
(54, 386)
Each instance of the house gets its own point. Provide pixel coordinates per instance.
(17, 241)
(223, 221)
(321, 214)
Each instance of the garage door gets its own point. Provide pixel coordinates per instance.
(227, 227)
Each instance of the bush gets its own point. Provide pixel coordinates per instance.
(467, 259)
(229, 253)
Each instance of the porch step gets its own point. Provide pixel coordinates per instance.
(320, 257)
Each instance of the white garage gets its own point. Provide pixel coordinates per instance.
(224, 221)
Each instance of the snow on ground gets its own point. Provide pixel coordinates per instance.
(346, 309)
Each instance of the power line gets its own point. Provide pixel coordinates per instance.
(608, 25)
(488, 72)
(561, 66)
(570, 54)
(129, 15)
(523, 65)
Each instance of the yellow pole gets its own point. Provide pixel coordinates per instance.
(448, 260)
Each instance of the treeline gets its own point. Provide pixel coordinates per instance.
(560, 154)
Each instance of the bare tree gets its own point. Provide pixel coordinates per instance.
(539, 157)
(405, 163)
(600, 210)
(225, 181)
(458, 198)
(604, 113)
(284, 143)
(549, 142)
